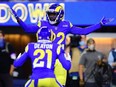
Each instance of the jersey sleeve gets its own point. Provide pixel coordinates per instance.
(59, 49)
(28, 28)
(20, 61)
(64, 60)
(27, 48)
(22, 58)
(86, 30)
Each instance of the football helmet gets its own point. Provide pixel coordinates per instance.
(55, 13)
(43, 33)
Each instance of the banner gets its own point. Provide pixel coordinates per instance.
(79, 13)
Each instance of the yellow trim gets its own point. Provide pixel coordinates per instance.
(58, 8)
(59, 49)
(32, 84)
(53, 36)
(27, 82)
(39, 23)
(71, 24)
(26, 48)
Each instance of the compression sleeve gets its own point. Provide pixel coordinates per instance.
(28, 28)
(84, 31)
(65, 61)
(20, 60)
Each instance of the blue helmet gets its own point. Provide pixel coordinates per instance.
(55, 13)
(43, 33)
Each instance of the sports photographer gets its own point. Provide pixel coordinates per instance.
(96, 72)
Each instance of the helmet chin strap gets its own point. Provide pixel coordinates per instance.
(52, 22)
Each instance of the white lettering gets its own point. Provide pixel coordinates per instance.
(21, 7)
(4, 14)
(31, 13)
(47, 46)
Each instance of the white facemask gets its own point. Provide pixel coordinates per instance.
(91, 47)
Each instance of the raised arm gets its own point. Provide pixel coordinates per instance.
(27, 28)
(24, 26)
(20, 60)
(87, 30)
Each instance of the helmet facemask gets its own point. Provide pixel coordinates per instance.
(43, 34)
(53, 16)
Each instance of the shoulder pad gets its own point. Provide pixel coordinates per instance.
(42, 23)
(68, 22)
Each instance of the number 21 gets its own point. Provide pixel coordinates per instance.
(42, 55)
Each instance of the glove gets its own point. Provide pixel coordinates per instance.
(106, 20)
(81, 83)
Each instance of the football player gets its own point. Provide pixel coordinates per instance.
(43, 55)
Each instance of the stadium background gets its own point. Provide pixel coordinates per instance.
(81, 14)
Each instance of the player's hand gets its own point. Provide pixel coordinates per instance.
(81, 83)
(106, 20)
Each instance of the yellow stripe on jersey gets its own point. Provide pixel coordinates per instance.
(71, 24)
(27, 82)
(53, 36)
(59, 49)
(30, 83)
(39, 24)
(26, 48)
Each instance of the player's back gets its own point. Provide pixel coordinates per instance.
(43, 57)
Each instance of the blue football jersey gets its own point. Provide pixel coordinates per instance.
(43, 55)
(61, 30)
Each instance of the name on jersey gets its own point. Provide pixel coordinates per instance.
(47, 46)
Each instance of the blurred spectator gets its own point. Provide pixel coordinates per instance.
(112, 62)
(7, 56)
(91, 61)
(82, 44)
(77, 46)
